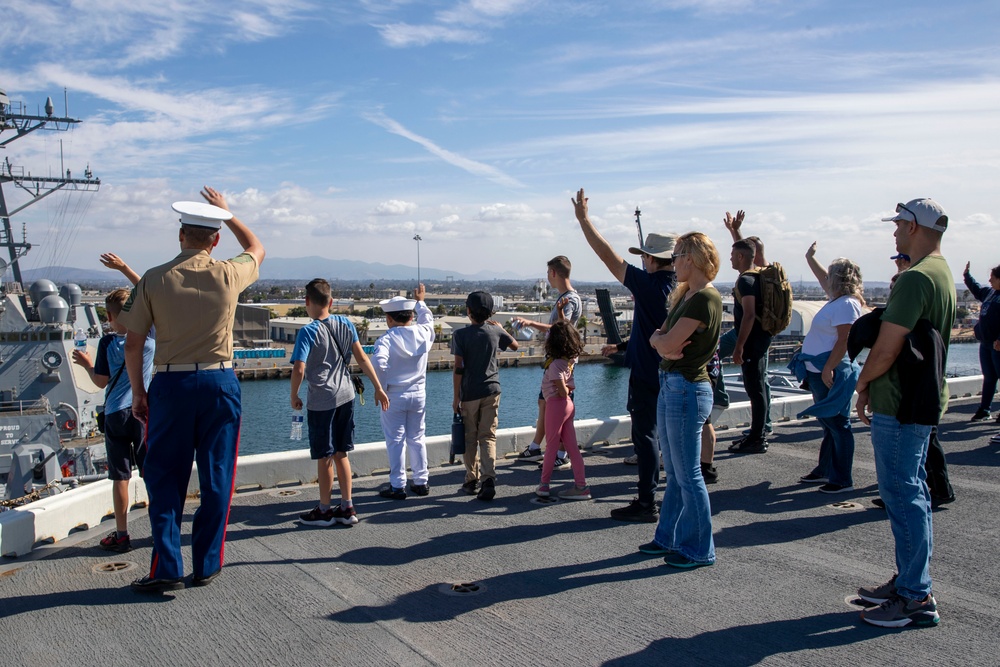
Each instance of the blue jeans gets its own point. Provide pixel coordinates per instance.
(989, 362)
(900, 454)
(685, 525)
(836, 453)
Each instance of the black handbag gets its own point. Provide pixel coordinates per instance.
(99, 412)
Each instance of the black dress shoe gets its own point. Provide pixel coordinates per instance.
(937, 502)
(748, 446)
(709, 473)
(149, 585)
(205, 581)
(879, 503)
(420, 489)
(393, 493)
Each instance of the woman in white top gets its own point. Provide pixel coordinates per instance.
(829, 372)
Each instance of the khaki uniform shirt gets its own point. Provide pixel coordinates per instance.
(192, 302)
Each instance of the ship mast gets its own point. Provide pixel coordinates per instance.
(14, 117)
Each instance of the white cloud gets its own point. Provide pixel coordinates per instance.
(459, 24)
(402, 35)
(479, 11)
(395, 207)
(471, 166)
(122, 33)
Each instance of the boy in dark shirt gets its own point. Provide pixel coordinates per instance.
(477, 391)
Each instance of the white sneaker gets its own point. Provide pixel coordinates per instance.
(560, 464)
(530, 454)
(576, 493)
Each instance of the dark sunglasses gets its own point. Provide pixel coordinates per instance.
(900, 207)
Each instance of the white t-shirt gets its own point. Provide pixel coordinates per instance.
(822, 334)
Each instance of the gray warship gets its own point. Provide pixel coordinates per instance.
(49, 440)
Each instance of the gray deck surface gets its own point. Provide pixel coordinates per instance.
(564, 584)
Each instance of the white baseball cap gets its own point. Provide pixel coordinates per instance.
(924, 211)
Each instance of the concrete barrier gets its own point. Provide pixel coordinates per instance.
(54, 518)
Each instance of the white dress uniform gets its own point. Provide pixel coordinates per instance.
(400, 360)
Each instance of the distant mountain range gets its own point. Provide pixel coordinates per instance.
(301, 268)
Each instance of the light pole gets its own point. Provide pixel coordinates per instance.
(417, 238)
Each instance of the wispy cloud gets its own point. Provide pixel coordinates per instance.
(401, 35)
(471, 166)
(150, 125)
(465, 22)
(122, 33)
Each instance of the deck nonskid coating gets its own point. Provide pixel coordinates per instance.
(561, 584)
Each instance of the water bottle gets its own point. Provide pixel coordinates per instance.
(80, 340)
(296, 425)
(521, 332)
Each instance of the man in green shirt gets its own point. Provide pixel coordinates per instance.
(926, 291)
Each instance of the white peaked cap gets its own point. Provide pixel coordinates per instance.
(200, 214)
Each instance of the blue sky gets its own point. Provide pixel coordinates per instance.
(342, 128)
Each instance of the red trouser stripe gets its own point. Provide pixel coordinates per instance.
(232, 490)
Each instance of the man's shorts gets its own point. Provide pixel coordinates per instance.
(123, 438)
(331, 431)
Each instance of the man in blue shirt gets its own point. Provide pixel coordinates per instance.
(650, 287)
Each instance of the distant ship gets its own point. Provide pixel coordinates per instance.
(48, 434)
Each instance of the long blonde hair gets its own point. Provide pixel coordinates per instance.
(702, 253)
(844, 279)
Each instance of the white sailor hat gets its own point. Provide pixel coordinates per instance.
(397, 303)
(200, 214)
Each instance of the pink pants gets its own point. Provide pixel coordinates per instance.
(559, 431)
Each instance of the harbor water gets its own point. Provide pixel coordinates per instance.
(601, 392)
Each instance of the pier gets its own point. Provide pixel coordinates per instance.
(440, 358)
(449, 580)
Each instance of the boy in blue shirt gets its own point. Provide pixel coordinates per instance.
(322, 357)
(124, 435)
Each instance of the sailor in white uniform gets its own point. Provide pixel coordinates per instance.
(400, 360)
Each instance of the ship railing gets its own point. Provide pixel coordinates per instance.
(33, 407)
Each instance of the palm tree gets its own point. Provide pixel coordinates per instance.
(582, 325)
(363, 331)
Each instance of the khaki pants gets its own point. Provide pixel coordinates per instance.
(480, 417)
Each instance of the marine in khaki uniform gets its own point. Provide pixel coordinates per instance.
(192, 410)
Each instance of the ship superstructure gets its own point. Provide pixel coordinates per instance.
(47, 403)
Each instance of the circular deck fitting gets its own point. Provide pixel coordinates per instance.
(854, 602)
(463, 589)
(845, 505)
(537, 500)
(113, 566)
(285, 493)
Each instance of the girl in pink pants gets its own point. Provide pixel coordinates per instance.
(562, 348)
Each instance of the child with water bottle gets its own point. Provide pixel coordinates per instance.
(322, 357)
(562, 350)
